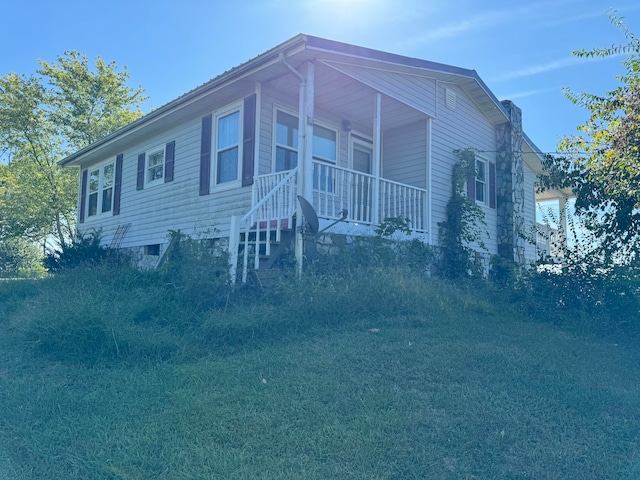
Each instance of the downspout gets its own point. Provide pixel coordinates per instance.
(282, 59)
(302, 113)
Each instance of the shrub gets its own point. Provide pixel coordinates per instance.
(85, 250)
(197, 271)
(387, 249)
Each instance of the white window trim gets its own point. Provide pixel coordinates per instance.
(275, 144)
(147, 158)
(485, 181)
(357, 138)
(337, 152)
(100, 167)
(217, 115)
(274, 153)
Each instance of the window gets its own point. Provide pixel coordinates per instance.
(324, 144)
(481, 181)
(325, 150)
(155, 166)
(100, 189)
(227, 153)
(152, 249)
(286, 141)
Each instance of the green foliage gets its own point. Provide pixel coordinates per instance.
(464, 225)
(391, 225)
(43, 118)
(84, 251)
(387, 249)
(373, 374)
(88, 316)
(580, 285)
(196, 271)
(602, 165)
(20, 258)
(89, 102)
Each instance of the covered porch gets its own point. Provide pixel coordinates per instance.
(354, 143)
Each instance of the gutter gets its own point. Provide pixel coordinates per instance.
(192, 96)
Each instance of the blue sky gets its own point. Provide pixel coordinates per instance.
(521, 49)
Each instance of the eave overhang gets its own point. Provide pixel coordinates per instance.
(298, 50)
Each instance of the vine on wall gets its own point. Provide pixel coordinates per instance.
(464, 225)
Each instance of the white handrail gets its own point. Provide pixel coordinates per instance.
(266, 198)
(277, 205)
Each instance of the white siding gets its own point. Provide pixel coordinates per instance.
(175, 205)
(404, 154)
(466, 126)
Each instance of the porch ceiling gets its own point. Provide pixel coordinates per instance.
(344, 98)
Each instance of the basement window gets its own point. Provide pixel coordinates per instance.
(152, 249)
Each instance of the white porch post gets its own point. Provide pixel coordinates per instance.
(377, 135)
(305, 155)
(427, 207)
(563, 205)
(234, 242)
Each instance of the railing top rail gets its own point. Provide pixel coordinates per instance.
(264, 199)
(382, 179)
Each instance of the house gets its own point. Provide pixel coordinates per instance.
(357, 132)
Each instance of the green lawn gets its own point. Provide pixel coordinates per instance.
(427, 381)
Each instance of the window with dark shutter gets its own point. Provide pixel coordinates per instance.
(249, 135)
(205, 155)
(168, 161)
(141, 167)
(83, 195)
(117, 187)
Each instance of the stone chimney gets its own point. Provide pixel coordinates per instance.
(510, 185)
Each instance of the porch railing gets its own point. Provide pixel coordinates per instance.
(547, 240)
(366, 200)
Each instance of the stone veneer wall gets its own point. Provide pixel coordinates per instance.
(510, 185)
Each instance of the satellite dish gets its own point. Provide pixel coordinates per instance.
(310, 215)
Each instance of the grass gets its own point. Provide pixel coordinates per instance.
(108, 375)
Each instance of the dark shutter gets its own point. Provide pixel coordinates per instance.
(492, 185)
(117, 185)
(83, 196)
(168, 161)
(471, 180)
(141, 165)
(249, 135)
(205, 155)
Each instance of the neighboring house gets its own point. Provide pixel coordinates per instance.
(345, 127)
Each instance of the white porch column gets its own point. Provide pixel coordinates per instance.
(563, 208)
(305, 154)
(428, 199)
(377, 168)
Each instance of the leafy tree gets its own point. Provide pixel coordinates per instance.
(64, 107)
(602, 164)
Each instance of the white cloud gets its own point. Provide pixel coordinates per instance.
(550, 66)
(475, 22)
(528, 93)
